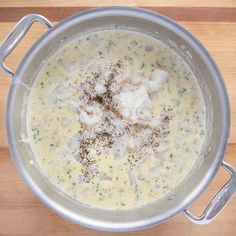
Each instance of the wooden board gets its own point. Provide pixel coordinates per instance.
(213, 22)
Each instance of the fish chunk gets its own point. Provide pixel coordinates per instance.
(130, 101)
(90, 115)
(68, 66)
(157, 81)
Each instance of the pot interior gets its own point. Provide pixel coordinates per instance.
(215, 98)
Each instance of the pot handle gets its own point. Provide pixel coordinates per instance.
(219, 201)
(15, 36)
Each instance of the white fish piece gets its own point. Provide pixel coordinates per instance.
(68, 66)
(152, 123)
(178, 141)
(129, 102)
(136, 79)
(98, 65)
(73, 87)
(74, 143)
(125, 102)
(90, 115)
(114, 87)
(164, 172)
(120, 79)
(131, 143)
(157, 81)
(163, 147)
(159, 157)
(107, 74)
(95, 108)
(61, 92)
(114, 120)
(99, 88)
(158, 170)
(155, 171)
(141, 97)
(145, 113)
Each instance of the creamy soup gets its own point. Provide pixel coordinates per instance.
(116, 119)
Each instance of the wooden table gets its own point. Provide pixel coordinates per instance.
(213, 22)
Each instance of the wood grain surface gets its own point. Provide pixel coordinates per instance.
(213, 22)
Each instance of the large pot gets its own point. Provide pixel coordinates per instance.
(215, 96)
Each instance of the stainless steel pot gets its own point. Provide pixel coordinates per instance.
(215, 96)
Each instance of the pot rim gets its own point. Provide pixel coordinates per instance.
(224, 100)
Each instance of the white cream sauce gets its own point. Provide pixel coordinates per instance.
(116, 119)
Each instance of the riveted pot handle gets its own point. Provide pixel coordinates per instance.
(15, 36)
(219, 201)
